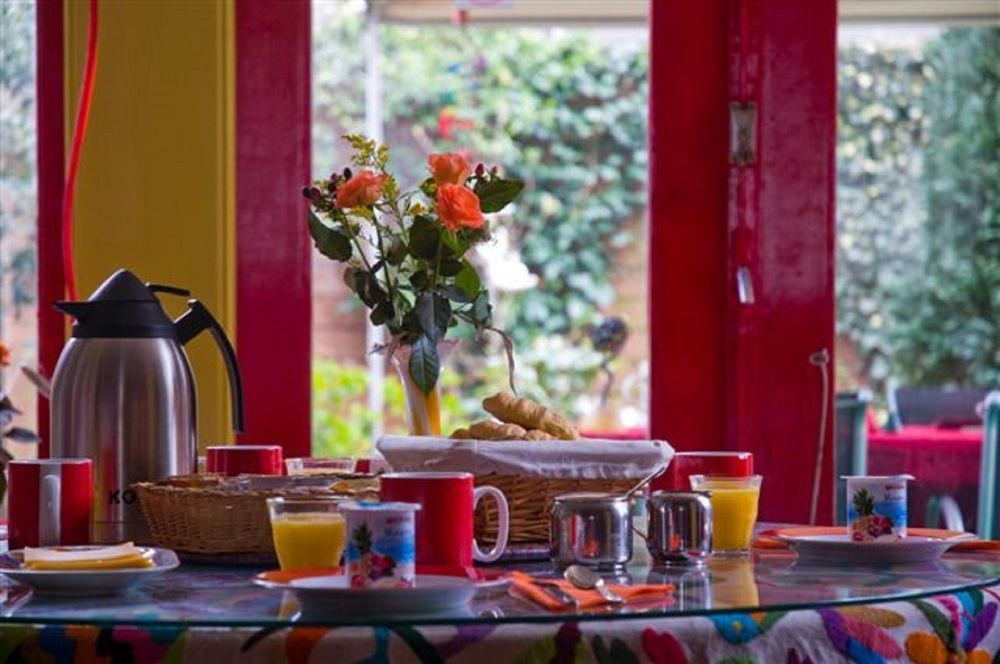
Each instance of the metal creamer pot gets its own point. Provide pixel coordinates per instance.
(123, 395)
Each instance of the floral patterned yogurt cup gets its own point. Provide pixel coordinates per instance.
(876, 507)
(381, 544)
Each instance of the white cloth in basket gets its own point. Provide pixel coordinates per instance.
(580, 459)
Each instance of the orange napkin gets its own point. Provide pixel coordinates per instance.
(524, 585)
(767, 539)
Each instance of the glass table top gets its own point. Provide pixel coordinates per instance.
(220, 596)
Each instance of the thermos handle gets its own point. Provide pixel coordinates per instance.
(198, 319)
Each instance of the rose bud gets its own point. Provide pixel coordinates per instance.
(347, 173)
(480, 170)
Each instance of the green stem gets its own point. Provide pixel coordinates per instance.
(391, 285)
(357, 243)
(437, 261)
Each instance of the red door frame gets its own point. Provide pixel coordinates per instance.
(727, 375)
(273, 137)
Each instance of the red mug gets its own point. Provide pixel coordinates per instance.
(233, 460)
(716, 464)
(50, 502)
(445, 520)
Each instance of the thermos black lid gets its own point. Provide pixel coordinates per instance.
(122, 307)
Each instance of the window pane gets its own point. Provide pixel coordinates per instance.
(18, 257)
(564, 110)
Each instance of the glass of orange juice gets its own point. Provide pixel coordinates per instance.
(734, 510)
(307, 532)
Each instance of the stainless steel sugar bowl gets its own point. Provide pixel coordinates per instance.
(592, 529)
(680, 527)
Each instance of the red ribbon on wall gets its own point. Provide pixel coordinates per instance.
(79, 132)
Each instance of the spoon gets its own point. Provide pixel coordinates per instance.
(585, 578)
(646, 480)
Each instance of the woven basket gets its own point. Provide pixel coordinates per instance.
(530, 501)
(209, 519)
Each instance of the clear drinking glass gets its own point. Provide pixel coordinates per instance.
(307, 532)
(319, 465)
(734, 510)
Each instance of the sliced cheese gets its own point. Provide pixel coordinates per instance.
(109, 557)
(124, 562)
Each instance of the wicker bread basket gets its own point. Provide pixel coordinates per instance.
(207, 515)
(531, 474)
(530, 502)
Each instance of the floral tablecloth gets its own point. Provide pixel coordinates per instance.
(962, 627)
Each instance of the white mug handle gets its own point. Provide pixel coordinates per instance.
(503, 529)
(49, 527)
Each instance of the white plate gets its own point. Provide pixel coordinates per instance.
(89, 583)
(431, 594)
(839, 549)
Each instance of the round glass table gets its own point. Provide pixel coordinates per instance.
(769, 607)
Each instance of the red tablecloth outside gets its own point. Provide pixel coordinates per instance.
(944, 462)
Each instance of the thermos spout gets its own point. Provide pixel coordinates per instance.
(78, 310)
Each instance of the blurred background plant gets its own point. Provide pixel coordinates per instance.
(9, 431)
(918, 198)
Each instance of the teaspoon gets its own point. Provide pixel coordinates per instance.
(585, 578)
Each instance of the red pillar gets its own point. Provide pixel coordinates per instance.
(273, 45)
(729, 375)
(688, 145)
(51, 178)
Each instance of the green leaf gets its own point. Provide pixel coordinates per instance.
(424, 363)
(468, 280)
(450, 267)
(455, 294)
(381, 313)
(368, 288)
(429, 188)
(433, 312)
(494, 195)
(330, 242)
(21, 435)
(455, 244)
(420, 280)
(481, 309)
(425, 236)
(397, 252)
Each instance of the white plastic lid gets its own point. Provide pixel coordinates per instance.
(877, 477)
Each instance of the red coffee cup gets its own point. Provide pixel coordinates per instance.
(716, 464)
(50, 502)
(233, 460)
(445, 520)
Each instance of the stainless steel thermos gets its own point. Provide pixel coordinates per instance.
(124, 396)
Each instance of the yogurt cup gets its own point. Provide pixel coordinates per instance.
(381, 544)
(876, 507)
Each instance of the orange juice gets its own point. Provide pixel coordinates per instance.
(309, 539)
(734, 509)
(734, 512)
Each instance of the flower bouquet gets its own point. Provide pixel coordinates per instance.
(406, 257)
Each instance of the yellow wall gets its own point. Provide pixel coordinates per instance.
(155, 190)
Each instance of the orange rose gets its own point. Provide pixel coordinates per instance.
(458, 206)
(449, 168)
(4, 354)
(363, 189)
